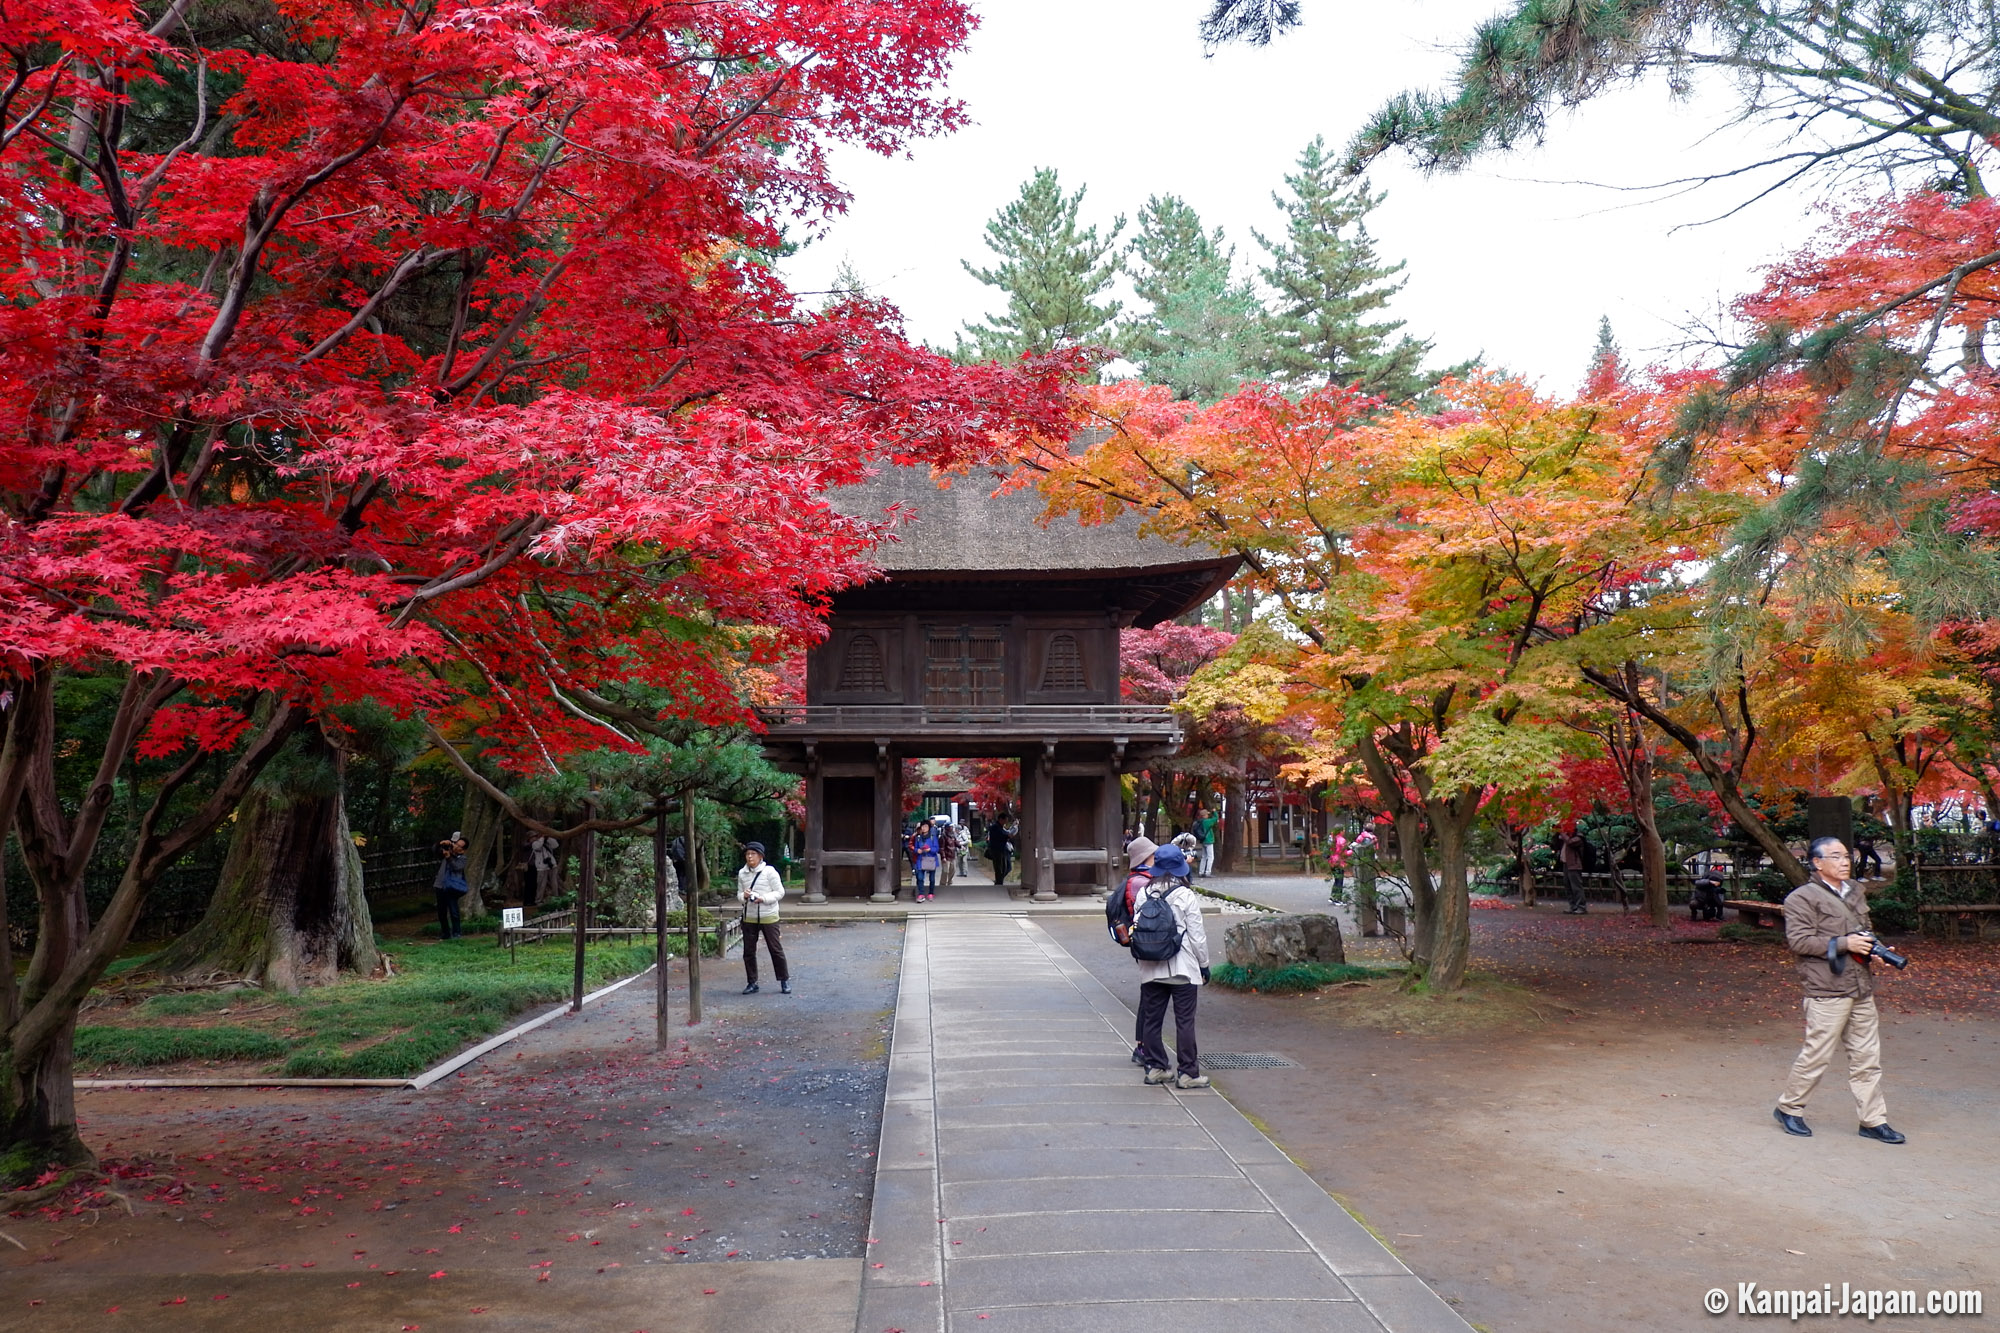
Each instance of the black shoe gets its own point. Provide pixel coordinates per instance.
(1138, 1055)
(1882, 1134)
(1794, 1125)
(751, 989)
(784, 988)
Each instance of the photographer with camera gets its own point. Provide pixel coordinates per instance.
(1827, 926)
(450, 885)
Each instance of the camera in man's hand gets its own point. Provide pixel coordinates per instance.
(1885, 953)
(451, 846)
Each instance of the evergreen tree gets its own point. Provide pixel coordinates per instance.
(1055, 273)
(1329, 281)
(1607, 365)
(846, 286)
(1202, 333)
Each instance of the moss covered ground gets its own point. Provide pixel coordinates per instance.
(443, 997)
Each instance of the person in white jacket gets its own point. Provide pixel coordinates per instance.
(760, 888)
(1176, 980)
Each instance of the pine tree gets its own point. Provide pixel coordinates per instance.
(1054, 271)
(1607, 366)
(1202, 333)
(847, 285)
(1329, 280)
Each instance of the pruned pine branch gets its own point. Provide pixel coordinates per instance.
(1924, 72)
(1254, 22)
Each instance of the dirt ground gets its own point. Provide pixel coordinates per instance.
(1607, 1167)
(577, 1155)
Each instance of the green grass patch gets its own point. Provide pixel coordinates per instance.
(1745, 934)
(189, 1003)
(1294, 978)
(168, 1046)
(444, 997)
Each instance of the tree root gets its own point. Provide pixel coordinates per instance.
(14, 1200)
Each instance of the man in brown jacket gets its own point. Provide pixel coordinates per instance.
(1826, 925)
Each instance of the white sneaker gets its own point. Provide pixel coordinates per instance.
(1156, 1077)
(1186, 1081)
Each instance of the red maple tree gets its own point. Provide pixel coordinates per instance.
(428, 354)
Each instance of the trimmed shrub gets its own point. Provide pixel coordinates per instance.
(1294, 977)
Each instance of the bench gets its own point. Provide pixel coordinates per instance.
(1964, 920)
(1758, 913)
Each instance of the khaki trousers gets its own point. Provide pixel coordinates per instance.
(1831, 1023)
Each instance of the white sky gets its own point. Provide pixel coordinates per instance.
(1117, 95)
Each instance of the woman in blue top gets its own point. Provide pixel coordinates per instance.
(924, 860)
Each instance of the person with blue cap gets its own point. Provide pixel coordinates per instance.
(1170, 946)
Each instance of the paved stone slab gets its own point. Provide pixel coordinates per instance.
(1189, 1273)
(1075, 1115)
(1085, 1163)
(1194, 1193)
(1407, 1305)
(1120, 1231)
(1026, 1175)
(1071, 1279)
(1051, 1134)
(1023, 1064)
(1112, 1093)
(1173, 1317)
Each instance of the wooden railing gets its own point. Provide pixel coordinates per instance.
(728, 930)
(1066, 717)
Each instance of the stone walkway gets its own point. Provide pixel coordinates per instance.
(1027, 1180)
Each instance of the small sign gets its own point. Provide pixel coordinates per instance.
(510, 918)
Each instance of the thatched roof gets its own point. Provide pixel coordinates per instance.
(969, 530)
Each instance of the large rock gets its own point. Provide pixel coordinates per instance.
(1275, 941)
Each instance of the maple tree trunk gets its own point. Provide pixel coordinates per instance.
(37, 1097)
(1517, 838)
(1652, 852)
(289, 912)
(1417, 871)
(1722, 778)
(1451, 913)
(484, 825)
(38, 1108)
(1754, 827)
(1229, 851)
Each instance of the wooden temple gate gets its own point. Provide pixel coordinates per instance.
(989, 635)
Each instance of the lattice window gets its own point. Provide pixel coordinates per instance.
(861, 669)
(1063, 669)
(965, 665)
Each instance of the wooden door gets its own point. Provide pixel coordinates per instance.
(965, 666)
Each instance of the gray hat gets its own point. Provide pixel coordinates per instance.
(1139, 851)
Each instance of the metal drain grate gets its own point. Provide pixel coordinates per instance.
(1245, 1060)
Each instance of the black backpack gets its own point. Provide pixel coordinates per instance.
(1156, 932)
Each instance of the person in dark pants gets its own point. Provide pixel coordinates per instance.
(1000, 850)
(759, 889)
(1139, 854)
(1705, 900)
(1176, 980)
(450, 885)
(1569, 850)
